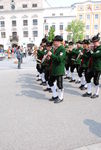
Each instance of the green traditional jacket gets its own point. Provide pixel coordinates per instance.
(75, 53)
(67, 58)
(78, 61)
(58, 61)
(47, 62)
(96, 59)
(85, 58)
(73, 56)
(40, 54)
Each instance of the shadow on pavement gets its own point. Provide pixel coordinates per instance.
(29, 87)
(94, 127)
(72, 92)
(68, 88)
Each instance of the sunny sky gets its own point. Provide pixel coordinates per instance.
(65, 2)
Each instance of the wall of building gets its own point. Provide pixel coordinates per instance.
(60, 18)
(89, 12)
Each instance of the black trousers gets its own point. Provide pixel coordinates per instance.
(77, 66)
(93, 74)
(67, 66)
(47, 75)
(59, 80)
(39, 68)
(81, 71)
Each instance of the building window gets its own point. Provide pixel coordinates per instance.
(25, 33)
(35, 33)
(2, 24)
(53, 27)
(61, 27)
(1, 7)
(34, 5)
(96, 16)
(61, 14)
(25, 22)
(24, 5)
(45, 20)
(97, 7)
(35, 22)
(14, 23)
(80, 17)
(53, 14)
(87, 27)
(3, 35)
(96, 27)
(88, 16)
(46, 27)
(14, 34)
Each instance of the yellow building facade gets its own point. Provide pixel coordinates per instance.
(90, 13)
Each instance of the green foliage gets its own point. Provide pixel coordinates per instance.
(51, 34)
(76, 28)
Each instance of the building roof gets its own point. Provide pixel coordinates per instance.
(86, 2)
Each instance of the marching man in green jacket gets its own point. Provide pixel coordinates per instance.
(58, 69)
(85, 56)
(95, 68)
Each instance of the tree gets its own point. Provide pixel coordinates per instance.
(51, 34)
(76, 28)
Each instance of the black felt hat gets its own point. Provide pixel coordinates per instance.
(49, 43)
(86, 41)
(58, 38)
(71, 43)
(79, 42)
(66, 42)
(44, 40)
(96, 38)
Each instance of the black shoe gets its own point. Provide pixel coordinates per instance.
(53, 98)
(47, 89)
(58, 101)
(38, 80)
(44, 83)
(69, 78)
(72, 81)
(77, 82)
(37, 76)
(94, 96)
(83, 88)
(87, 94)
(65, 77)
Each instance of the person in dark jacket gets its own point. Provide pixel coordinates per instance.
(19, 57)
(94, 69)
(58, 69)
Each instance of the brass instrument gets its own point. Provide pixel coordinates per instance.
(67, 50)
(38, 61)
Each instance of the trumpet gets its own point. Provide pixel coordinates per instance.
(38, 61)
(79, 55)
(67, 50)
